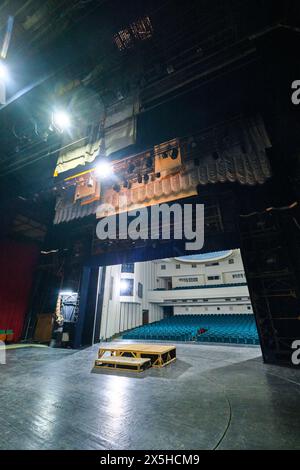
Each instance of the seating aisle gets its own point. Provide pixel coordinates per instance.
(217, 328)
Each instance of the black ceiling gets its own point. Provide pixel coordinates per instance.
(195, 48)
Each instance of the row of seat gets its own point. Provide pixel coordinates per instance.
(231, 328)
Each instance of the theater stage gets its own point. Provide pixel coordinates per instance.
(212, 397)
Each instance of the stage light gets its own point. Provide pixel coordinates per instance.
(131, 168)
(149, 162)
(174, 154)
(117, 188)
(103, 169)
(3, 72)
(61, 121)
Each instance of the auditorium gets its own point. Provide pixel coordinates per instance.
(150, 228)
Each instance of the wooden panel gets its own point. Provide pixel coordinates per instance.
(43, 329)
(85, 188)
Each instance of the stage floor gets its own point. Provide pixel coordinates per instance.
(212, 397)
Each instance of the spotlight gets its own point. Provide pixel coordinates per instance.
(131, 168)
(126, 184)
(149, 162)
(103, 169)
(146, 178)
(139, 178)
(174, 154)
(3, 72)
(116, 187)
(61, 121)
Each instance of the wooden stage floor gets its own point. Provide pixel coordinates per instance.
(212, 397)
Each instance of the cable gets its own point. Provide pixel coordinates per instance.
(271, 209)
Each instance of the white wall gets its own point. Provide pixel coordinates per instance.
(110, 318)
(121, 313)
(130, 316)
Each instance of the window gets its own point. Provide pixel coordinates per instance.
(126, 287)
(127, 268)
(215, 263)
(231, 261)
(238, 276)
(194, 266)
(140, 290)
(213, 278)
(218, 308)
(248, 308)
(177, 266)
(163, 266)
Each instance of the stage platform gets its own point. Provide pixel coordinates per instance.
(159, 355)
(123, 363)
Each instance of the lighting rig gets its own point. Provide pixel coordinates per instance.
(120, 175)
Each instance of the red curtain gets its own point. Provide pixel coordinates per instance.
(17, 263)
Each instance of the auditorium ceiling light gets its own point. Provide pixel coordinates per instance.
(103, 169)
